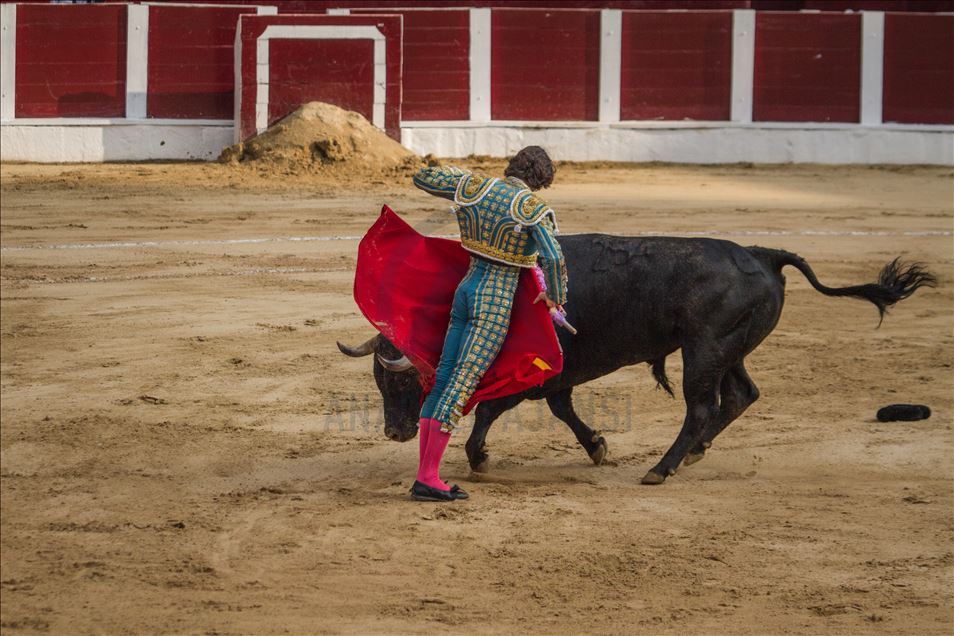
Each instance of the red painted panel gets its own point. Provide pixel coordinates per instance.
(191, 61)
(392, 6)
(436, 64)
(807, 67)
(676, 66)
(71, 61)
(339, 72)
(545, 65)
(251, 27)
(868, 5)
(919, 69)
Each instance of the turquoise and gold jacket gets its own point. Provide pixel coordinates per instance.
(501, 220)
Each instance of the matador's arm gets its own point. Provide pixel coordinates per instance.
(439, 181)
(551, 260)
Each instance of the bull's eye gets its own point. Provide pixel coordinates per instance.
(404, 381)
(397, 380)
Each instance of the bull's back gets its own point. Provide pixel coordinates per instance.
(633, 299)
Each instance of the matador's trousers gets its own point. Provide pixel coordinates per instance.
(480, 318)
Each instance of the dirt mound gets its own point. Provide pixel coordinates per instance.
(323, 137)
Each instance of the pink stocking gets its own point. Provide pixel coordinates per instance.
(423, 434)
(428, 471)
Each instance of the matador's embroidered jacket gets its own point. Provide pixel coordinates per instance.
(501, 220)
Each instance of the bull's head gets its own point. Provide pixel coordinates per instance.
(399, 383)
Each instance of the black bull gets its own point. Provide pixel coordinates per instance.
(638, 300)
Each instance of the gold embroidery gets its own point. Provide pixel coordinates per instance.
(497, 254)
(472, 189)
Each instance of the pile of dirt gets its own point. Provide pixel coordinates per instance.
(323, 137)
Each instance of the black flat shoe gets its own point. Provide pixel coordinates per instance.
(423, 492)
(903, 413)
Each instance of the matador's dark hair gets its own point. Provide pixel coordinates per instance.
(533, 166)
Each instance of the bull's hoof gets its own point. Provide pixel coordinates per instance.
(653, 478)
(599, 453)
(481, 463)
(692, 458)
(478, 458)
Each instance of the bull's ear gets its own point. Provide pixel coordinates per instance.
(364, 349)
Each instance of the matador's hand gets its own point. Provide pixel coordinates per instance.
(543, 296)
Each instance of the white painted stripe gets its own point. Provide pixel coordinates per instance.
(743, 64)
(380, 55)
(480, 28)
(237, 83)
(309, 239)
(137, 60)
(316, 32)
(261, 59)
(112, 121)
(8, 60)
(872, 67)
(137, 244)
(252, 271)
(611, 56)
(338, 12)
(380, 86)
(261, 91)
(266, 10)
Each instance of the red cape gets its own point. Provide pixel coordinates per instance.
(405, 285)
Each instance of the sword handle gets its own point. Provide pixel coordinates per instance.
(561, 320)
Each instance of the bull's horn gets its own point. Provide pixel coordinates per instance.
(363, 349)
(401, 364)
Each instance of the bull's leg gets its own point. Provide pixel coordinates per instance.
(702, 376)
(561, 405)
(484, 415)
(737, 393)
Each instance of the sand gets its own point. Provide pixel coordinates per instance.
(184, 450)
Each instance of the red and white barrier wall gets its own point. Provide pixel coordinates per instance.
(165, 80)
(113, 82)
(706, 86)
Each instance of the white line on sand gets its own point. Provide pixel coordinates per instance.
(303, 239)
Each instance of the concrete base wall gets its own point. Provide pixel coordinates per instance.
(112, 142)
(700, 144)
(717, 142)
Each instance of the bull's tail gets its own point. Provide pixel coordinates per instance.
(896, 281)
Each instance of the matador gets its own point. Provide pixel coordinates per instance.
(505, 227)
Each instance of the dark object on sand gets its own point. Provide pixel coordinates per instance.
(903, 413)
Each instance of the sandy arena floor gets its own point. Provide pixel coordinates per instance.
(184, 450)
